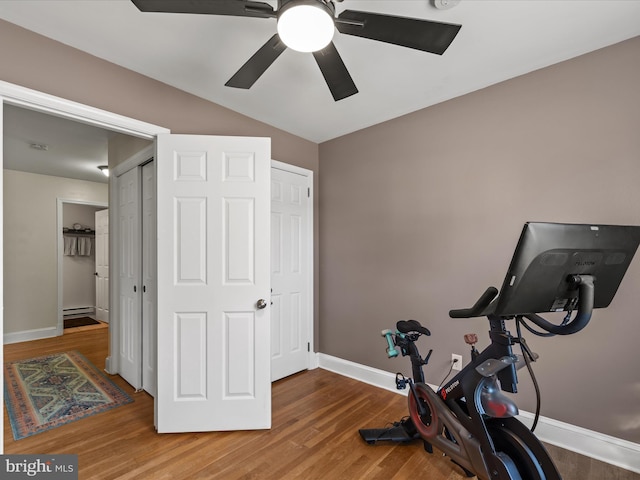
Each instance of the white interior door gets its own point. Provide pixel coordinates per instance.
(213, 283)
(102, 265)
(290, 273)
(129, 342)
(149, 262)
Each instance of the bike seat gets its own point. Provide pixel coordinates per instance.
(408, 326)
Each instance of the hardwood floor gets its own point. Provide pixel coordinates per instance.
(314, 434)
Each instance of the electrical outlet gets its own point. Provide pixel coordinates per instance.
(457, 361)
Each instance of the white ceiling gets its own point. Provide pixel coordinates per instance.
(499, 39)
(73, 150)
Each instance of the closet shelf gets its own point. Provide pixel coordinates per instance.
(67, 231)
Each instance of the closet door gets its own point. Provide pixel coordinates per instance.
(291, 263)
(130, 344)
(149, 316)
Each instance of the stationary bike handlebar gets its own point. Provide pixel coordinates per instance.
(583, 315)
(477, 309)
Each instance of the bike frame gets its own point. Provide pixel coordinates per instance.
(456, 406)
(553, 268)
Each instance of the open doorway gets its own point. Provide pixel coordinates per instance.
(46, 160)
(23, 98)
(52, 163)
(83, 265)
(54, 182)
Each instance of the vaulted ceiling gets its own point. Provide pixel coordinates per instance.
(499, 39)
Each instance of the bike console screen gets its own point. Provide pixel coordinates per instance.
(551, 259)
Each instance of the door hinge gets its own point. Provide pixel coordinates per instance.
(308, 192)
(308, 346)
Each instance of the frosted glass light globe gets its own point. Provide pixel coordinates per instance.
(305, 28)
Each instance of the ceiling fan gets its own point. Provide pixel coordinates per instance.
(313, 24)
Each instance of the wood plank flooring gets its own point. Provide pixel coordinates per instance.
(314, 435)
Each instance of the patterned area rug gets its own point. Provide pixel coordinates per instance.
(47, 392)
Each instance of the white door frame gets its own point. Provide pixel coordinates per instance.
(312, 358)
(32, 99)
(60, 248)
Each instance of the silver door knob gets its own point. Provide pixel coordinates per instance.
(262, 303)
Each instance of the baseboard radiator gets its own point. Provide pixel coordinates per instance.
(78, 312)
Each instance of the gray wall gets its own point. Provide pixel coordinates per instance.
(420, 214)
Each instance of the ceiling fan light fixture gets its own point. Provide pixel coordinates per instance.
(305, 26)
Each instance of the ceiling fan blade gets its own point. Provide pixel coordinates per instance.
(335, 73)
(425, 35)
(239, 8)
(257, 64)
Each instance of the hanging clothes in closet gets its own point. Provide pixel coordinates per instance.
(78, 244)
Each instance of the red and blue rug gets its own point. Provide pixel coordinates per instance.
(47, 392)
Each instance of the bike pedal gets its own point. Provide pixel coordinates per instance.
(401, 381)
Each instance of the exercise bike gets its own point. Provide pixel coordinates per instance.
(556, 267)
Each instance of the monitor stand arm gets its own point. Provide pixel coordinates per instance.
(585, 307)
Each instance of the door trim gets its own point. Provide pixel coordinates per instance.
(42, 102)
(61, 107)
(312, 358)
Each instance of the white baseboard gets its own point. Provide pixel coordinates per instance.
(615, 451)
(27, 335)
(107, 366)
(612, 450)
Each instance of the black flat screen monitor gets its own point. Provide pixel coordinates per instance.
(548, 254)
